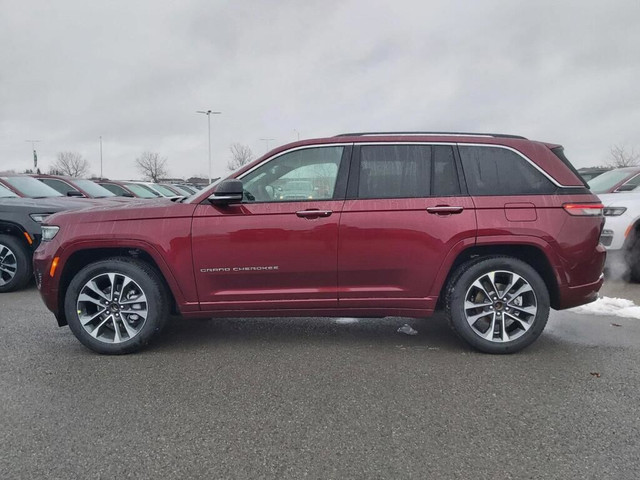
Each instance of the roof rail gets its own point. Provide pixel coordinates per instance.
(443, 134)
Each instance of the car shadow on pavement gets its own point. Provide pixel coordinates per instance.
(433, 332)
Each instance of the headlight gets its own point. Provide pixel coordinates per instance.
(39, 217)
(48, 232)
(614, 211)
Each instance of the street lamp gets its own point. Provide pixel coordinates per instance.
(35, 155)
(208, 113)
(101, 157)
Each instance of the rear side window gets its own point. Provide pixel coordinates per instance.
(407, 171)
(498, 171)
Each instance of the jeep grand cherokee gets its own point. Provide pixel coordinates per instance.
(496, 228)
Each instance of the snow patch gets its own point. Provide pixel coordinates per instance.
(407, 330)
(346, 321)
(620, 307)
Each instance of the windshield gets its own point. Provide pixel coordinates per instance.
(6, 193)
(30, 187)
(163, 190)
(182, 190)
(141, 191)
(93, 189)
(605, 182)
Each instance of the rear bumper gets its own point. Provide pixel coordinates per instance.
(574, 296)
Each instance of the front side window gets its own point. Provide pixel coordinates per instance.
(306, 174)
(499, 171)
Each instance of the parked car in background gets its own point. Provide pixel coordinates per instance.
(20, 233)
(128, 189)
(619, 180)
(391, 224)
(74, 187)
(162, 190)
(621, 233)
(181, 189)
(589, 173)
(27, 187)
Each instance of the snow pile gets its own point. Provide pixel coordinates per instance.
(407, 330)
(606, 306)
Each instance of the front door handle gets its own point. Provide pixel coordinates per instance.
(314, 213)
(444, 210)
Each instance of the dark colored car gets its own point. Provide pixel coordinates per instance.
(27, 187)
(619, 180)
(20, 234)
(74, 187)
(390, 224)
(128, 189)
(589, 173)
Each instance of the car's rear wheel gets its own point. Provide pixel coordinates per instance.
(15, 264)
(497, 304)
(116, 306)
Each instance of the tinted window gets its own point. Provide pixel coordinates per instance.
(93, 188)
(498, 171)
(307, 174)
(407, 171)
(116, 189)
(59, 185)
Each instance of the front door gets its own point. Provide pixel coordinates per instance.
(277, 249)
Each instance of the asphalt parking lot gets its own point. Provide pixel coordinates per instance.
(312, 398)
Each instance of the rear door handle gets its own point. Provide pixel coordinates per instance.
(444, 210)
(314, 213)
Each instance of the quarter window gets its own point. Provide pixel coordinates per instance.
(498, 171)
(306, 174)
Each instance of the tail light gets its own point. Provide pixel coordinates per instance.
(584, 209)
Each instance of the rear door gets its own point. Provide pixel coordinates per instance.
(405, 211)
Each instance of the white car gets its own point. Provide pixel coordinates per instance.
(621, 233)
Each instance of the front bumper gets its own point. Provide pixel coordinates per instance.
(47, 284)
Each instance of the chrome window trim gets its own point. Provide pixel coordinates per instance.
(303, 147)
(531, 162)
(346, 144)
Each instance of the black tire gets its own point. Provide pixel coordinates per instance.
(14, 256)
(144, 279)
(524, 315)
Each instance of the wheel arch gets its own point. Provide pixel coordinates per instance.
(533, 255)
(82, 257)
(15, 230)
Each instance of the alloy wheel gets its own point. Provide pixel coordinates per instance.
(112, 307)
(8, 265)
(500, 306)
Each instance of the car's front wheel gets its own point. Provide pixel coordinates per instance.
(116, 306)
(497, 304)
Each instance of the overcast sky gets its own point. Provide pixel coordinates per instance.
(135, 72)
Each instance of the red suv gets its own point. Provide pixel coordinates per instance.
(495, 228)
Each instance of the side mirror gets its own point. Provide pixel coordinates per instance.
(228, 192)
(127, 194)
(74, 193)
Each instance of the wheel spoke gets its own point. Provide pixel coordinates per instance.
(474, 318)
(479, 286)
(514, 280)
(523, 289)
(86, 298)
(117, 338)
(492, 280)
(94, 288)
(531, 310)
(489, 333)
(90, 318)
(94, 333)
(525, 326)
(503, 330)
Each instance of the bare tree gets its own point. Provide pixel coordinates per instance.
(71, 163)
(619, 157)
(240, 155)
(152, 165)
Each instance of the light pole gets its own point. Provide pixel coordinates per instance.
(208, 113)
(266, 140)
(35, 155)
(100, 157)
